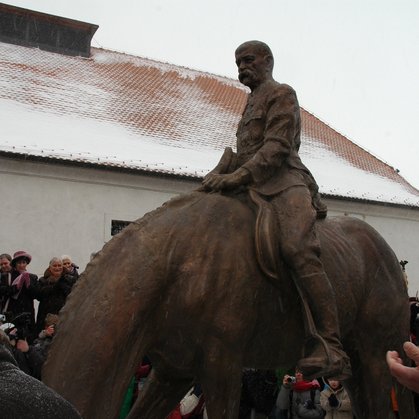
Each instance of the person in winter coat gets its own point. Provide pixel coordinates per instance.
(18, 290)
(258, 394)
(301, 398)
(53, 290)
(25, 397)
(5, 263)
(335, 401)
(37, 352)
(69, 267)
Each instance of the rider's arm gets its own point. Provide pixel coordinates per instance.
(281, 126)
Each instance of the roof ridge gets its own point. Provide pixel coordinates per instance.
(168, 63)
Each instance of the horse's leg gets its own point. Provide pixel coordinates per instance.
(370, 384)
(368, 389)
(159, 396)
(221, 383)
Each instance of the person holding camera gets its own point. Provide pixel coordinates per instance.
(31, 357)
(18, 347)
(299, 398)
(335, 401)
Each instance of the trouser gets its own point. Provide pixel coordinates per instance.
(300, 249)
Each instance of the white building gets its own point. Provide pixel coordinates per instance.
(90, 142)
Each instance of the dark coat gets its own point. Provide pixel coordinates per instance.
(37, 355)
(19, 301)
(25, 397)
(52, 296)
(259, 392)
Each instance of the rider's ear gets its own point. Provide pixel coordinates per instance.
(269, 61)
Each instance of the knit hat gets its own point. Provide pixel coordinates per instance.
(21, 254)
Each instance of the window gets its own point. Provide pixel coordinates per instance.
(117, 226)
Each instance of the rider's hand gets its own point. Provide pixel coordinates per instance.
(216, 182)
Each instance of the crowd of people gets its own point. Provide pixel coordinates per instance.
(265, 394)
(30, 335)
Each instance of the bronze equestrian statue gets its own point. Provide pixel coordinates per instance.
(203, 288)
(267, 162)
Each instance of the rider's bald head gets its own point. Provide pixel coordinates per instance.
(259, 48)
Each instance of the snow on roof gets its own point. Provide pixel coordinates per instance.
(114, 109)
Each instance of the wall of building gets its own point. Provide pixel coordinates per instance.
(49, 210)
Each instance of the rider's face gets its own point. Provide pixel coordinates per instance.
(252, 66)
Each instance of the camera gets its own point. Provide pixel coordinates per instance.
(291, 380)
(22, 323)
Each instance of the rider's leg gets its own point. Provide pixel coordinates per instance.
(301, 250)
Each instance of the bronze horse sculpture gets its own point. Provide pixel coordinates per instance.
(183, 286)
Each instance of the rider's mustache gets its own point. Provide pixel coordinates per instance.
(245, 73)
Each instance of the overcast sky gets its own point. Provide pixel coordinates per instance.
(353, 63)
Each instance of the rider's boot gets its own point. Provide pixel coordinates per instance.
(323, 355)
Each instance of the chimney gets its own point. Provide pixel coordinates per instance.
(48, 32)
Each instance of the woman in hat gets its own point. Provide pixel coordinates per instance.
(21, 289)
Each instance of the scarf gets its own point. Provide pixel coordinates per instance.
(22, 279)
(304, 385)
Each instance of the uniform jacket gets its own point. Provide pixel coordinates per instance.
(268, 140)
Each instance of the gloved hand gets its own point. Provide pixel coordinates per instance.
(308, 404)
(333, 401)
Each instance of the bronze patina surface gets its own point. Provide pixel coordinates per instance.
(189, 293)
(212, 283)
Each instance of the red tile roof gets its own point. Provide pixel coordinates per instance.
(158, 108)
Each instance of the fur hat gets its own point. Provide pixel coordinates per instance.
(21, 254)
